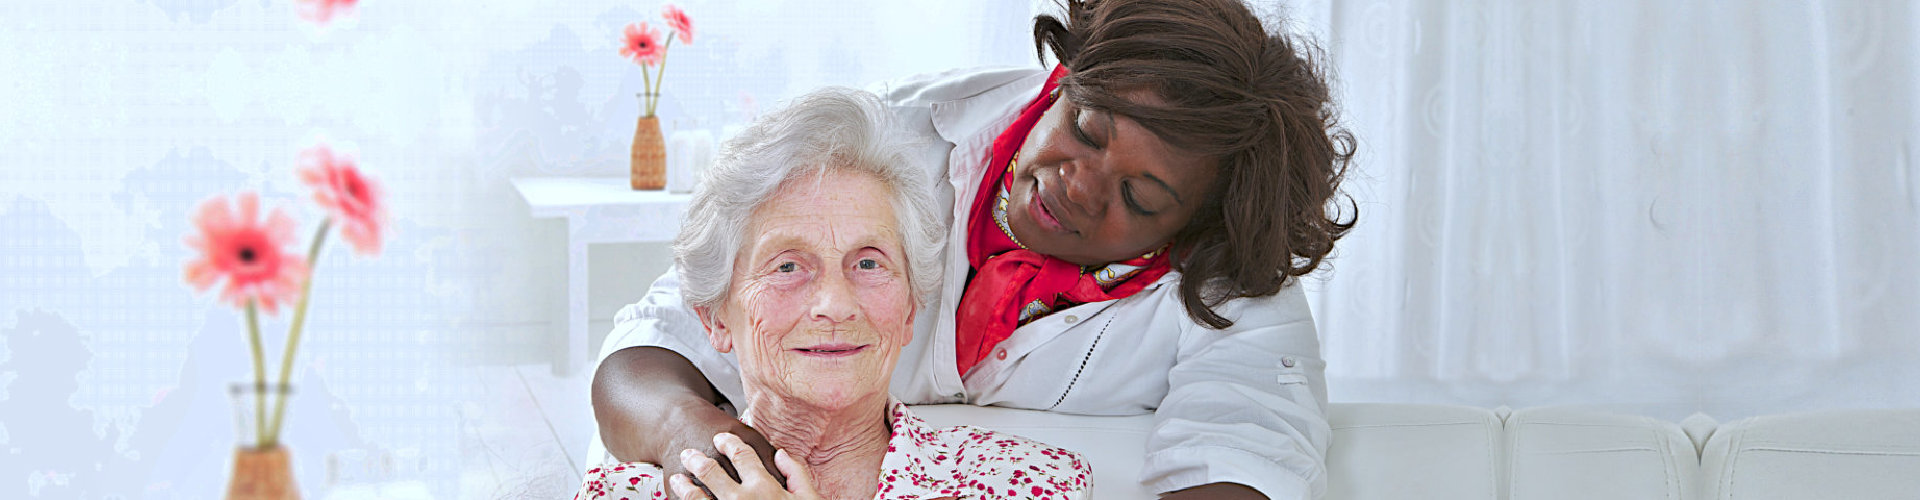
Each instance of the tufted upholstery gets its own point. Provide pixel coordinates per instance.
(1839, 454)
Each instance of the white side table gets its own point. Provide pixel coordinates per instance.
(598, 210)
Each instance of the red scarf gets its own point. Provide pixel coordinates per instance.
(1012, 285)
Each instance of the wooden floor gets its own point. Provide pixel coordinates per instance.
(527, 435)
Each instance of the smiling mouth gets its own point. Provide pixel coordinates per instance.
(831, 350)
(1042, 212)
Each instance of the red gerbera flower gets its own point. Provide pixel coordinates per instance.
(677, 19)
(352, 198)
(322, 11)
(248, 254)
(642, 45)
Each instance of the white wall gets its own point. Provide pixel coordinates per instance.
(117, 116)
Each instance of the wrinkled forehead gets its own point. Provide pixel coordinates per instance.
(837, 210)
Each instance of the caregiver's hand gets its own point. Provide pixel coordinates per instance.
(755, 483)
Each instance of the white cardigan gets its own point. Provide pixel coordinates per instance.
(1244, 405)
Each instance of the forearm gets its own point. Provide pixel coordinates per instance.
(646, 397)
(1221, 491)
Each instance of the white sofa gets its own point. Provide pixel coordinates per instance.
(1404, 451)
(1401, 451)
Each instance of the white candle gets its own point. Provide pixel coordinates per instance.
(701, 156)
(680, 162)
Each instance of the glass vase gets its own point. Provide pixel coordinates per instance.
(259, 471)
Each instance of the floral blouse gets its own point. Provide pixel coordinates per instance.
(922, 462)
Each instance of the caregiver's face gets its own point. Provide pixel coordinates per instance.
(1092, 187)
(820, 304)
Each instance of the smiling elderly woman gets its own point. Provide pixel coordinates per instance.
(806, 251)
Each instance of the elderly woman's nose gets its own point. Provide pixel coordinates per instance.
(834, 300)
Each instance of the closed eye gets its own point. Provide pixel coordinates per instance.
(1080, 133)
(1126, 193)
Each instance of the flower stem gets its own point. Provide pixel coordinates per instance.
(646, 101)
(293, 332)
(259, 377)
(653, 99)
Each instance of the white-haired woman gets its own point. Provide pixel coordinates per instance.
(806, 252)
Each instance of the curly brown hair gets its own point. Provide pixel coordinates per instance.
(1256, 101)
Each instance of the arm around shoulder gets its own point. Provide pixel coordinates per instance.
(638, 392)
(656, 392)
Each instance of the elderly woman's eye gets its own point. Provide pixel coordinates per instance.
(867, 264)
(787, 267)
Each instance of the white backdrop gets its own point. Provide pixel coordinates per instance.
(1652, 206)
(117, 116)
(1662, 208)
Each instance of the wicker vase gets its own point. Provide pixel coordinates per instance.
(649, 155)
(262, 474)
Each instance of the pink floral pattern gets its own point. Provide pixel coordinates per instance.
(627, 481)
(922, 462)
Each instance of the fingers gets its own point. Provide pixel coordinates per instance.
(746, 461)
(684, 489)
(764, 449)
(799, 475)
(710, 474)
(672, 463)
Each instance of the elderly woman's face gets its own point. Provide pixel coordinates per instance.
(819, 305)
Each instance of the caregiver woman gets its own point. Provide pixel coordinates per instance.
(1126, 236)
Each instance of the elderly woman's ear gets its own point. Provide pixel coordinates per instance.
(717, 332)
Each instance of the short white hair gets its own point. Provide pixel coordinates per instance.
(834, 129)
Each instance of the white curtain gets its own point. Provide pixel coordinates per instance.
(1657, 207)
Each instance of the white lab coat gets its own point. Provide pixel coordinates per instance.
(1245, 405)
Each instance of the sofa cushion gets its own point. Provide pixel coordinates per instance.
(1380, 451)
(1567, 453)
(1396, 451)
(1852, 454)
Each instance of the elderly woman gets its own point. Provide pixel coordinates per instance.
(806, 252)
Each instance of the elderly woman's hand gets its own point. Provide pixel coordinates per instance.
(755, 483)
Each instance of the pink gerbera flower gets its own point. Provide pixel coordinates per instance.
(248, 254)
(677, 19)
(322, 11)
(351, 198)
(642, 45)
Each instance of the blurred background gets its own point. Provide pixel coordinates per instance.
(1651, 207)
